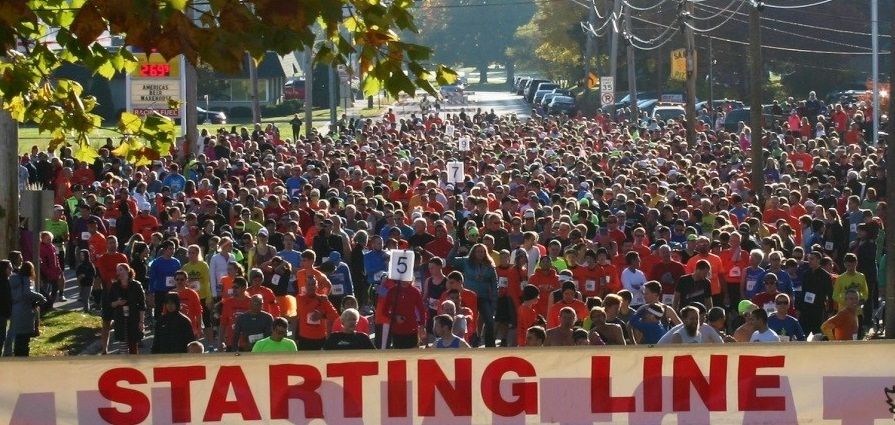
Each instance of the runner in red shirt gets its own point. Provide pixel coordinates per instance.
(317, 315)
(256, 277)
(190, 305)
(231, 309)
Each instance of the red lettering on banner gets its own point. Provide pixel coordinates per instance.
(180, 378)
(526, 393)
(397, 389)
(712, 391)
(601, 399)
(458, 397)
(218, 404)
(352, 384)
(750, 382)
(652, 384)
(138, 402)
(281, 392)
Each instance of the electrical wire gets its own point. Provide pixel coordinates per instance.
(798, 24)
(644, 9)
(724, 22)
(720, 11)
(805, 36)
(800, 6)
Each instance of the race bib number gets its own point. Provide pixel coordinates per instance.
(400, 265)
(828, 246)
(112, 222)
(854, 337)
(750, 284)
(275, 280)
(433, 304)
(604, 280)
(310, 319)
(590, 285)
(735, 271)
(85, 236)
(255, 338)
(800, 164)
(854, 228)
(169, 281)
(502, 282)
(194, 285)
(126, 311)
(338, 289)
(809, 297)
(667, 299)
(770, 308)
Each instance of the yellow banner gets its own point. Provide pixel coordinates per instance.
(818, 383)
(679, 65)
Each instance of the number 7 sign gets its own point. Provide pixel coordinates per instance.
(455, 172)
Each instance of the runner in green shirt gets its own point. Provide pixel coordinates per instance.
(277, 341)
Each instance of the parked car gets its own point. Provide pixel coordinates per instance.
(733, 118)
(545, 101)
(539, 95)
(723, 105)
(665, 112)
(543, 89)
(294, 89)
(210, 117)
(562, 105)
(532, 87)
(520, 86)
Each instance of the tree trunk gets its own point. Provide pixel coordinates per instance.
(9, 197)
(510, 68)
(483, 73)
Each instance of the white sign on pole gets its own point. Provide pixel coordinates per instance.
(607, 84)
(449, 130)
(607, 99)
(455, 172)
(463, 144)
(400, 265)
(154, 83)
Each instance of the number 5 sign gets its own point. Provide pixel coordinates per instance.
(455, 172)
(400, 265)
(463, 144)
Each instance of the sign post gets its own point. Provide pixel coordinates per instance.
(607, 91)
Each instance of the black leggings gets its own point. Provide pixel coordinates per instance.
(22, 346)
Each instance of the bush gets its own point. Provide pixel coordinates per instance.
(288, 107)
(241, 112)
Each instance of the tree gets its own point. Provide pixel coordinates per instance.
(472, 32)
(557, 38)
(38, 36)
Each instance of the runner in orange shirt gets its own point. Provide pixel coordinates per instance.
(527, 314)
(719, 293)
(256, 279)
(190, 305)
(307, 272)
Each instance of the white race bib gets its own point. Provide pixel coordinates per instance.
(750, 284)
(771, 308)
(854, 228)
(809, 297)
(169, 281)
(605, 280)
(194, 285)
(275, 280)
(854, 337)
(126, 311)
(255, 338)
(502, 282)
(85, 236)
(112, 222)
(667, 299)
(338, 289)
(590, 285)
(735, 271)
(310, 319)
(828, 246)
(800, 164)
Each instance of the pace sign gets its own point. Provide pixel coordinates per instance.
(153, 84)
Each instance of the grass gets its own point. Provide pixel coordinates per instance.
(65, 333)
(29, 136)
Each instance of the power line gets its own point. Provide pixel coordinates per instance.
(798, 24)
(644, 9)
(805, 36)
(720, 11)
(725, 21)
(800, 6)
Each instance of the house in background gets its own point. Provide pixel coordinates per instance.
(226, 92)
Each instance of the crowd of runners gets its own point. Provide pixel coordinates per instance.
(559, 231)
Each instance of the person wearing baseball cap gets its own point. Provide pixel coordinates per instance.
(649, 322)
(744, 332)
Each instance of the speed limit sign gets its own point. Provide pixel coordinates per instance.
(400, 265)
(607, 99)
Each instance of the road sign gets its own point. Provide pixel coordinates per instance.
(607, 98)
(592, 80)
(607, 84)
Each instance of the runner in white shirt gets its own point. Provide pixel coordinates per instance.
(633, 278)
(762, 332)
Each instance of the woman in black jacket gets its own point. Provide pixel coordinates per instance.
(5, 301)
(128, 299)
(173, 331)
(124, 227)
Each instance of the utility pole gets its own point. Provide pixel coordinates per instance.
(333, 101)
(191, 101)
(874, 29)
(889, 219)
(711, 84)
(9, 197)
(589, 46)
(755, 83)
(690, 106)
(309, 90)
(632, 72)
(253, 76)
(613, 48)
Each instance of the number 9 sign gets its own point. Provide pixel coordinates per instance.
(455, 172)
(463, 144)
(400, 265)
